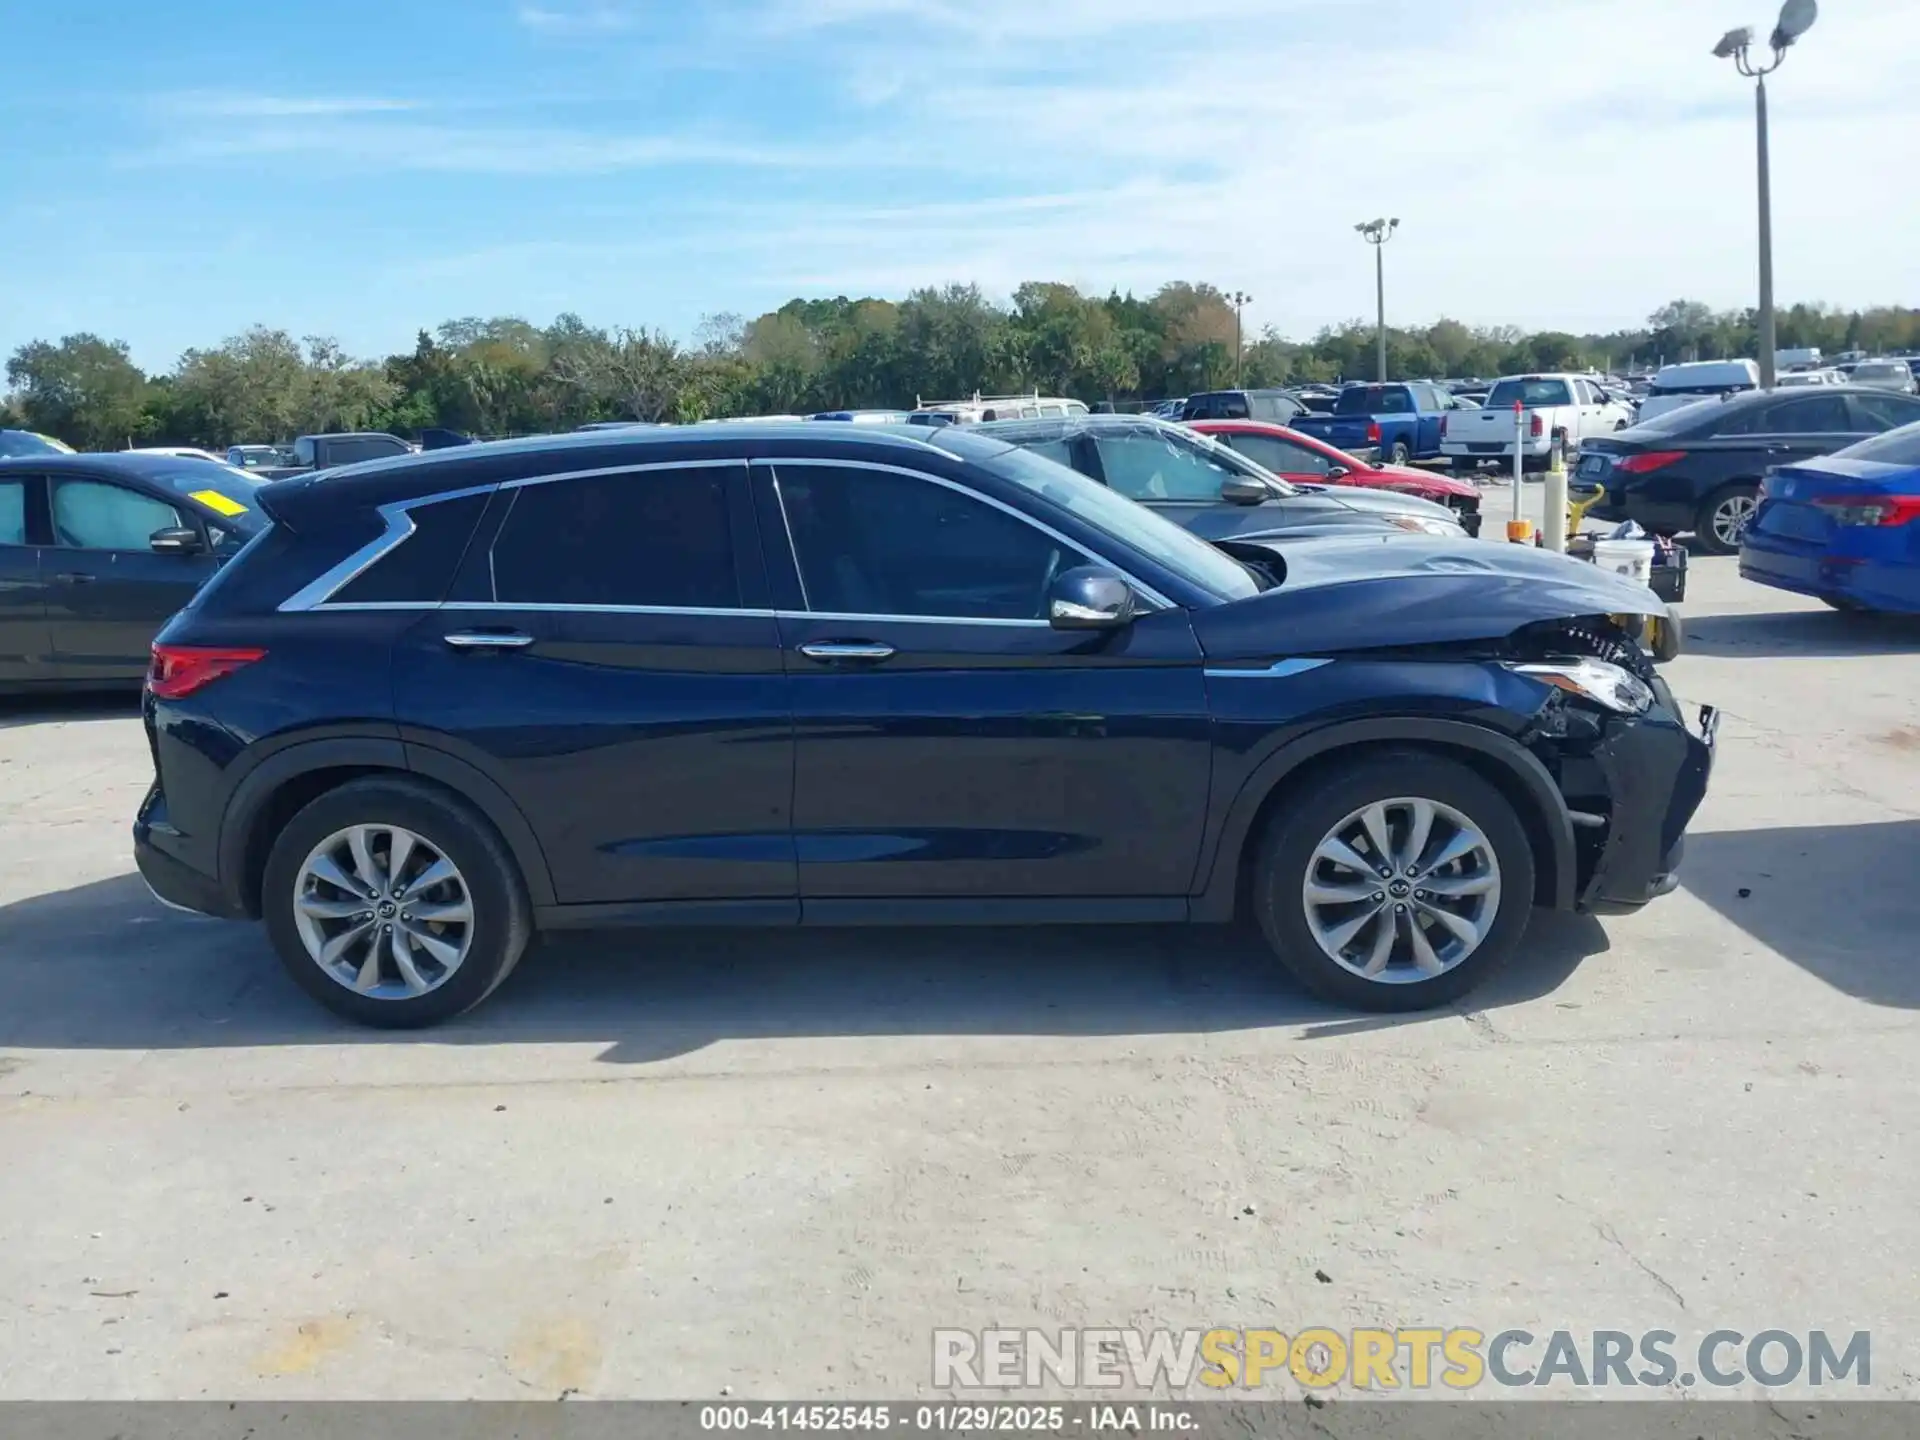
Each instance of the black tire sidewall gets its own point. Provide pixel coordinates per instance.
(1284, 855)
(502, 914)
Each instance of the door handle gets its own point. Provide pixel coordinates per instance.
(828, 652)
(75, 577)
(488, 640)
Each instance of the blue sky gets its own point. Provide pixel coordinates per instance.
(176, 170)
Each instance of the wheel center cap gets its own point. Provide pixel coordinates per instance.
(1399, 889)
(388, 909)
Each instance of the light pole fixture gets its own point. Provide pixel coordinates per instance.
(1239, 299)
(1377, 233)
(1796, 18)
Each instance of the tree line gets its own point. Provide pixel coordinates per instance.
(506, 376)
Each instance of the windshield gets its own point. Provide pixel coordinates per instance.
(1882, 372)
(1714, 387)
(1192, 559)
(17, 443)
(1529, 393)
(1896, 447)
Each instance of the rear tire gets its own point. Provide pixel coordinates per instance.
(1398, 453)
(1292, 863)
(476, 952)
(1723, 516)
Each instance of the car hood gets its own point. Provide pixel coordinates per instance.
(1394, 474)
(1382, 502)
(1348, 591)
(1308, 513)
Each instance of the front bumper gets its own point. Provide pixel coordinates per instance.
(1654, 772)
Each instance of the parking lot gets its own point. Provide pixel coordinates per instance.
(771, 1164)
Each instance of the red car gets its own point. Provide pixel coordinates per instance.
(1310, 462)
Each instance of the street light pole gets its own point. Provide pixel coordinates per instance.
(1377, 233)
(1769, 340)
(1796, 18)
(1239, 299)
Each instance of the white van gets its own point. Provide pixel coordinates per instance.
(1678, 385)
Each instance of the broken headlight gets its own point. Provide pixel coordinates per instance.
(1606, 685)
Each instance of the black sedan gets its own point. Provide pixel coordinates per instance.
(1203, 486)
(1698, 469)
(97, 551)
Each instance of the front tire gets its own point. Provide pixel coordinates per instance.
(1450, 910)
(394, 903)
(1723, 516)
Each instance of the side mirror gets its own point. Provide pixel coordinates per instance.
(1244, 490)
(1338, 472)
(1089, 598)
(176, 540)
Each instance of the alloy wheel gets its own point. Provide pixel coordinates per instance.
(383, 912)
(1730, 519)
(1402, 890)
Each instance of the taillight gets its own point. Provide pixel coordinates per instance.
(1539, 425)
(1373, 432)
(179, 670)
(1873, 510)
(1648, 461)
(1443, 427)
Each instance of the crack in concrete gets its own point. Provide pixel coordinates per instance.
(1607, 1233)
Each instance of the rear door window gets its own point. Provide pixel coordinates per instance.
(651, 539)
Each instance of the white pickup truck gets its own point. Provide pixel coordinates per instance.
(1555, 410)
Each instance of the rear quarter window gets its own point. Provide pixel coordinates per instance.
(421, 568)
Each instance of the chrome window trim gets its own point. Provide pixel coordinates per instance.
(1140, 587)
(400, 527)
(559, 608)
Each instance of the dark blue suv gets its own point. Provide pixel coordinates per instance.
(775, 675)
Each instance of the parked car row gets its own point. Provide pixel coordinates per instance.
(1698, 469)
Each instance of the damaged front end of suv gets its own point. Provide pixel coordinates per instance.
(1533, 662)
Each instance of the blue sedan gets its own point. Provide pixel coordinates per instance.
(1844, 528)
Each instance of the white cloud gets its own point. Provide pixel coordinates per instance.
(1572, 164)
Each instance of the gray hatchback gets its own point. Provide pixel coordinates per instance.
(1207, 488)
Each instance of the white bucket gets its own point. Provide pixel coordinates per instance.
(1631, 558)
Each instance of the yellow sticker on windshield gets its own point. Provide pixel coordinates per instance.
(218, 503)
